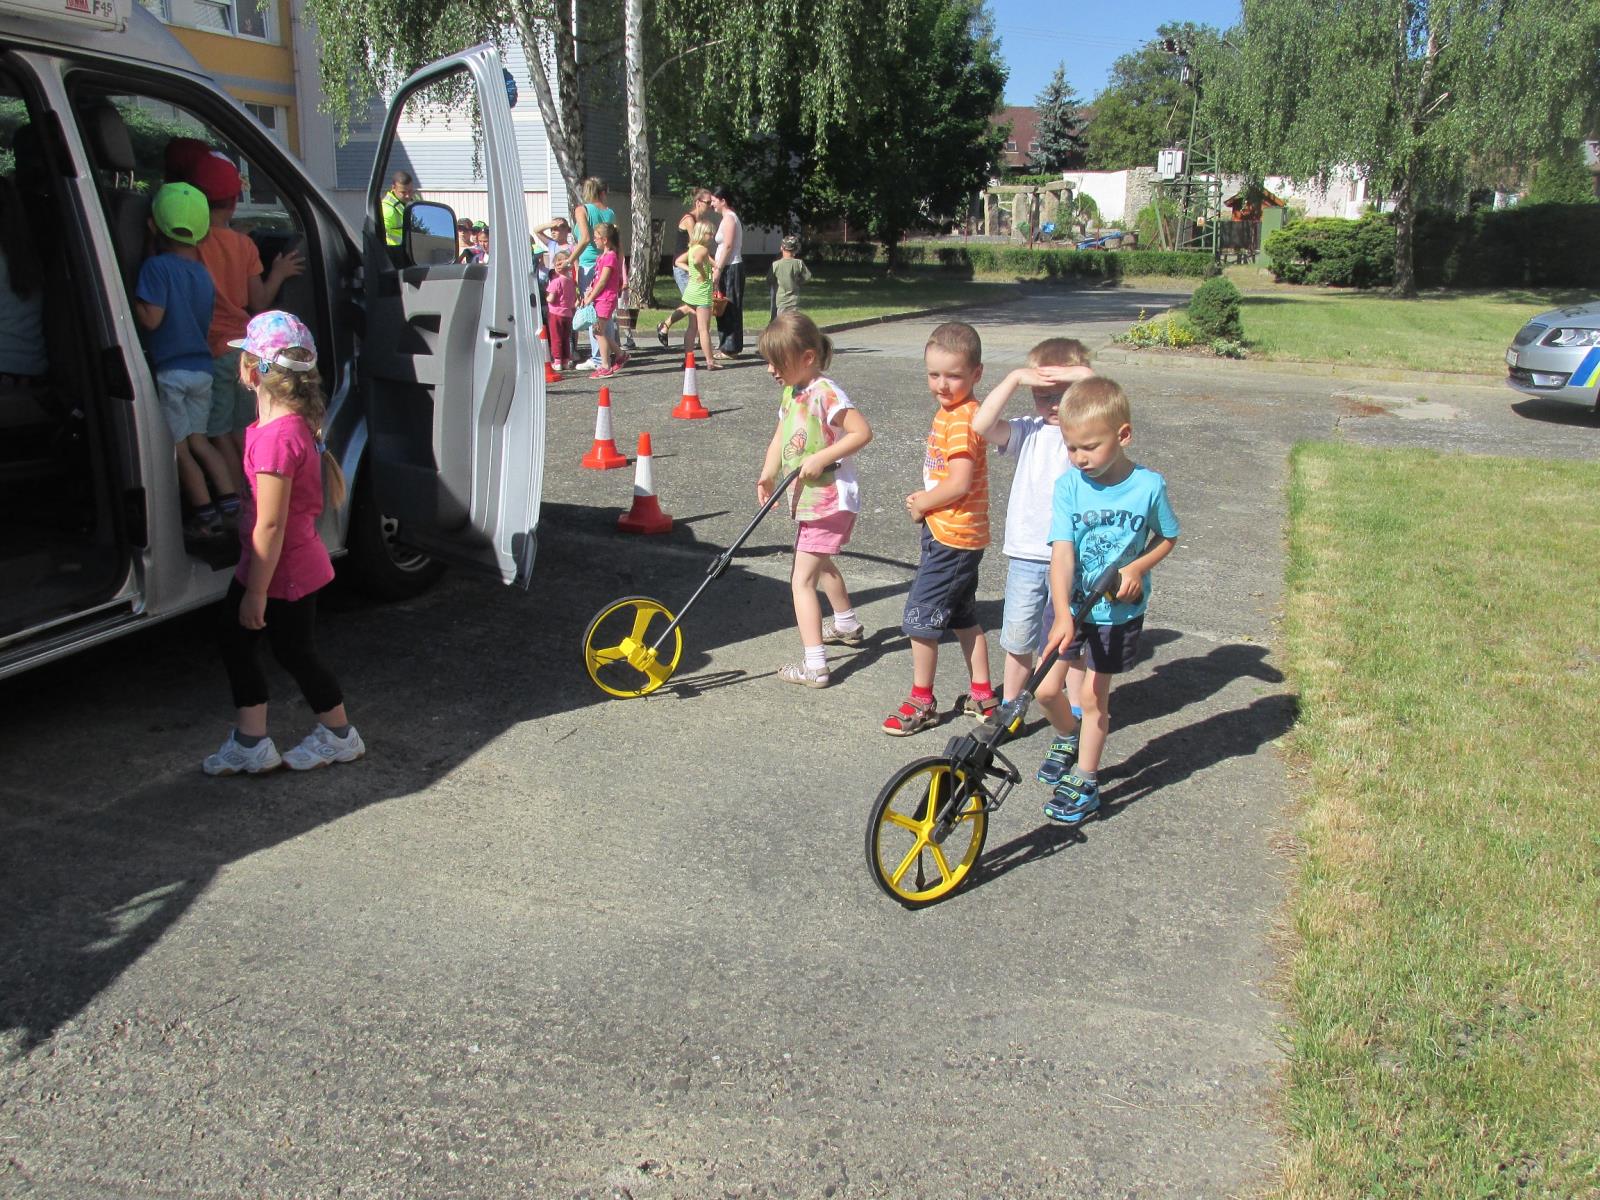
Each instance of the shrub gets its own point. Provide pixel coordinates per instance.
(1224, 348)
(1153, 219)
(1533, 245)
(1334, 252)
(1214, 310)
(1170, 330)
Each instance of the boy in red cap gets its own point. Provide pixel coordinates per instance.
(242, 289)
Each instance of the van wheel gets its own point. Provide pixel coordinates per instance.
(382, 568)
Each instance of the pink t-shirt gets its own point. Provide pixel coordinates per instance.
(286, 446)
(605, 300)
(561, 293)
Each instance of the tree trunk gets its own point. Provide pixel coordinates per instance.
(567, 89)
(643, 272)
(1405, 221)
(568, 150)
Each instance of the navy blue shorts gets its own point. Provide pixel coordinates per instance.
(1108, 649)
(944, 590)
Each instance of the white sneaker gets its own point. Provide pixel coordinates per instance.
(232, 758)
(321, 747)
(593, 364)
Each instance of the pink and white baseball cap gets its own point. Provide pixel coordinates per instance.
(272, 332)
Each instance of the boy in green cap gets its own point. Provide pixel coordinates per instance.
(172, 302)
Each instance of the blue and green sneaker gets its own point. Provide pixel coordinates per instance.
(1063, 754)
(1073, 801)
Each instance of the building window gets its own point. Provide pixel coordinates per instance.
(1011, 144)
(1033, 147)
(237, 18)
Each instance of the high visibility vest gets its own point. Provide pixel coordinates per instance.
(394, 219)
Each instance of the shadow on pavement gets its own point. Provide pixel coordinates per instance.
(1555, 412)
(109, 831)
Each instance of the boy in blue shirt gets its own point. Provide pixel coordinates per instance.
(172, 301)
(1107, 512)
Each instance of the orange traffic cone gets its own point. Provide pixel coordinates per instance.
(645, 516)
(603, 455)
(551, 375)
(690, 408)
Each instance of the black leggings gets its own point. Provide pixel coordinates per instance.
(291, 632)
(730, 325)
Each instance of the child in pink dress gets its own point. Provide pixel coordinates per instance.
(604, 293)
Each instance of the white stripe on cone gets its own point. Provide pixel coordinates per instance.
(602, 423)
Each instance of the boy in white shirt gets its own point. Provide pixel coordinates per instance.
(1035, 442)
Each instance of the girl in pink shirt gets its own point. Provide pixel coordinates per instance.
(561, 295)
(282, 562)
(604, 293)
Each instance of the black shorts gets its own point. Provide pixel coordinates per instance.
(944, 591)
(1109, 649)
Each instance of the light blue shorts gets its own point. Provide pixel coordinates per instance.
(185, 401)
(1027, 616)
(233, 406)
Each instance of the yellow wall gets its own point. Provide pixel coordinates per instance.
(235, 60)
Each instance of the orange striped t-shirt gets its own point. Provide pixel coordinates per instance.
(964, 523)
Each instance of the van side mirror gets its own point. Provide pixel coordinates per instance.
(430, 234)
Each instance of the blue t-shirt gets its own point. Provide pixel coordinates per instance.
(1110, 526)
(183, 288)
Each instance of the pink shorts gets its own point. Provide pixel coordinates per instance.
(826, 535)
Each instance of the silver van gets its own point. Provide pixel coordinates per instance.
(432, 369)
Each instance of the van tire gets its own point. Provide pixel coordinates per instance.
(380, 568)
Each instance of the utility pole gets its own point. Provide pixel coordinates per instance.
(1197, 188)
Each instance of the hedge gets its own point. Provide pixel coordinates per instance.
(1040, 262)
(1535, 245)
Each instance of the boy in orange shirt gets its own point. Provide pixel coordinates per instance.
(235, 267)
(953, 509)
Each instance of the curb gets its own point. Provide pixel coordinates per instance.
(1294, 367)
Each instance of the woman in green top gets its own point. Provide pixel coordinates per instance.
(695, 263)
(585, 217)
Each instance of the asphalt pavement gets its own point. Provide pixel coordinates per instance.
(543, 943)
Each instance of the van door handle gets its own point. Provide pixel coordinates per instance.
(498, 335)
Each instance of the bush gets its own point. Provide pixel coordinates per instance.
(1214, 311)
(1334, 252)
(1533, 245)
(1155, 220)
(1040, 262)
(1170, 330)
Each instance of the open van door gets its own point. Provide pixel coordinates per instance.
(449, 361)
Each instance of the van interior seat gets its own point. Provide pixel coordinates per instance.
(127, 211)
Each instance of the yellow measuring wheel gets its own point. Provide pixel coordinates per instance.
(928, 823)
(632, 647)
(916, 855)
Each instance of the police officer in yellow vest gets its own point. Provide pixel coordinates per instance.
(402, 190)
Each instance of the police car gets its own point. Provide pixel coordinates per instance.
(1557, 354)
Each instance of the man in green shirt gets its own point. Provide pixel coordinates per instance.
(402, 190)
(786, 275)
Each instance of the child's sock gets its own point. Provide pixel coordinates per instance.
(339, 731)
(817, 659)
(249, 740)
(981, 691)
(922, 695)
(844, 620)
(1086, 775)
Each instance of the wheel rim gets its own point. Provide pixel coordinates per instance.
(907, 864)
(616, 647)
(403, 558)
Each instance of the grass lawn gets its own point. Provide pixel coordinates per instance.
(1445, 981)
(837, 294)
(1441, 331)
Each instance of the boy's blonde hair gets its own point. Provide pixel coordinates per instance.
(1096, 399)
(703, 233)
(1059, 352)
(957, 337)
(301, 392)
(789, 335)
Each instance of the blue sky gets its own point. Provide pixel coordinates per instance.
(1088, 36)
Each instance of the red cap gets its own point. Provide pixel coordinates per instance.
(217, 178)
(181, 155)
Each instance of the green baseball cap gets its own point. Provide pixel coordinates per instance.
(181, 213)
